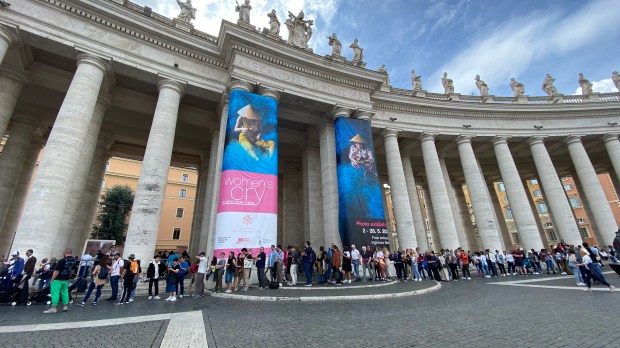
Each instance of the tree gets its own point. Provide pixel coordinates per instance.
(112, 222)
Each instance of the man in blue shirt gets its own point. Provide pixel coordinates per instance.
(273, 258)
(16, 268)
(171, 258)
(308, 258)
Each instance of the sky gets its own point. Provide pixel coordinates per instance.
(524, 39)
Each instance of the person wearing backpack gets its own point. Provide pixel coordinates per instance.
(130, 271)
(59, 288)
(100, 278)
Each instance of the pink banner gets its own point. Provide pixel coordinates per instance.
(248, 192)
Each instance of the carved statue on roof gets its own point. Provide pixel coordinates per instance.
(517, 87)
(615, 78)
(358, 52)
(299, 29)
(336, 45)
(448, 84)
(244, 11)
(274, 23)
(416, 81)
(548, 86)
(585, 84)
(482, 86)
(188, 12)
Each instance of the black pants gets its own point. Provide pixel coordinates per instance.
(127, 286)
(502, 269)
(436, 275)
(465, 270)
(153, 282)
(453, 271)
(399, 270)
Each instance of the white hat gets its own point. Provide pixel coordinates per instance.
(15, 253)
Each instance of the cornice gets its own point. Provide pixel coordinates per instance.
(138, 34)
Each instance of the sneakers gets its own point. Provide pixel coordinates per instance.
(612, 288)
(588, 290)
(169, 298)
(156, 298)
(308, 285)
(50, 311)
(280, 284)
(245, 289)
(173, 299)
(227, 291)
(94, 303)
(581, 284)
(65, 308)
(131, 300)
(83, 303)
(150, 298)
(564, 273)
(181, 296)
(118, 303)
(468, 278)
(261, 288)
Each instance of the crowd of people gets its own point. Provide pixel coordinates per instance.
(278, 266)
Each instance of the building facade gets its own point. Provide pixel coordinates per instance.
(90, 80)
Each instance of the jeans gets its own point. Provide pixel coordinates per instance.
(91, 287)
(308, 271)
(356, 268)
(550, 268)
(453, 271)
(366, 266)
(43, 283)
(576, 272)
(511, 267)
(114, 285)
(180, 285)
(485, 268)
(261, 276)
(229, 277)
(328, 270)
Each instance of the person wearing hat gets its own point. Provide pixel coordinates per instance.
(199, 278)
(130, 270)
(117, 266)
(249, 126)
(16, 268)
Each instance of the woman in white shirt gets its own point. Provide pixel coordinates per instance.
(586, 261)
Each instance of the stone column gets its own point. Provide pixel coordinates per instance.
(534, 209)
(400, 197)
(522, 213)
(90, 196)
(487, 229)
(293, 217)
(13, 159)
(460, 231)
(414, 201)
(599, 205)
(73, 209)
(146, 212)
(329, 176)
(502, 225)
(11, 84)
(41, 227)
(199, 206)
(312, 193)
(561, 211)
(472, 241)
(435, 240)
(7, 39)
(612, 144)
(11, 218)
(439, 194)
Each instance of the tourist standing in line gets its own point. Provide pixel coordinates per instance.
(346, 264)
(231, 269)
(510, 260)
(128, 273)
(366, 264)
(433, 263)
(260, 267)
(573, 264)
(308, 259)
(239, 270)
(293, 254)
(320, 264)
(414, 266)
(59, 287)
(154, 272)
(15, 270)
(183, 269)
(220, 267)
(37, 274)
(544, 255)
(452, 264)
(45, 274)
(248, 263)
(501, 262)
(337, 265)
(272, 262)
(355, 262)
(117, 266)
(399, 264)
(519, 256)
(171, 280)
(464, 260)
(279, 264)
(199, 279)
(100, 278)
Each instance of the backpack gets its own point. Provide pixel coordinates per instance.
(133, 267)
(312, 257)
(103, 272)
(274, 285)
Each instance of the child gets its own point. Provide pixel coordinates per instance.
(171, 280)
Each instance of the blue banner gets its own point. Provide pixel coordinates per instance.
(361, 210)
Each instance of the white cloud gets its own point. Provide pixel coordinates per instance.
(602, 86)
(515, 44)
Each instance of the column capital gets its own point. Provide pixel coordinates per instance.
(390, 132)
(610, 137)
(9, 36)
(363, 114)
(94, 60)
(25, 118)
(340, 111)
(424, 137)
(269, 92)
(238, 85)
(536, 140)
(177, 86)
(38, 141)
(571, 139)
(462, 139)
(104, 99)
(499, 140)
(14, 75)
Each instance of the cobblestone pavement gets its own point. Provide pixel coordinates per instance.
(463, 313)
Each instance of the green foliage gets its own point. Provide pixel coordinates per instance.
(117, 205)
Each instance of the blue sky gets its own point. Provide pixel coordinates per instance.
(496, 39)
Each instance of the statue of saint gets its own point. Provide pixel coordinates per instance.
(299, 29)
(448, 84)
(274, 23)
(358, 52)
(548, 86)
(188, 12)
(244, 11)
(615, 78)
(416, 81)
(517, 87)
(383, 70)
(586, 85)
(336, 45)
(482, 86)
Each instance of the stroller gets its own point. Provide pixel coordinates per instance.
(43, 295)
